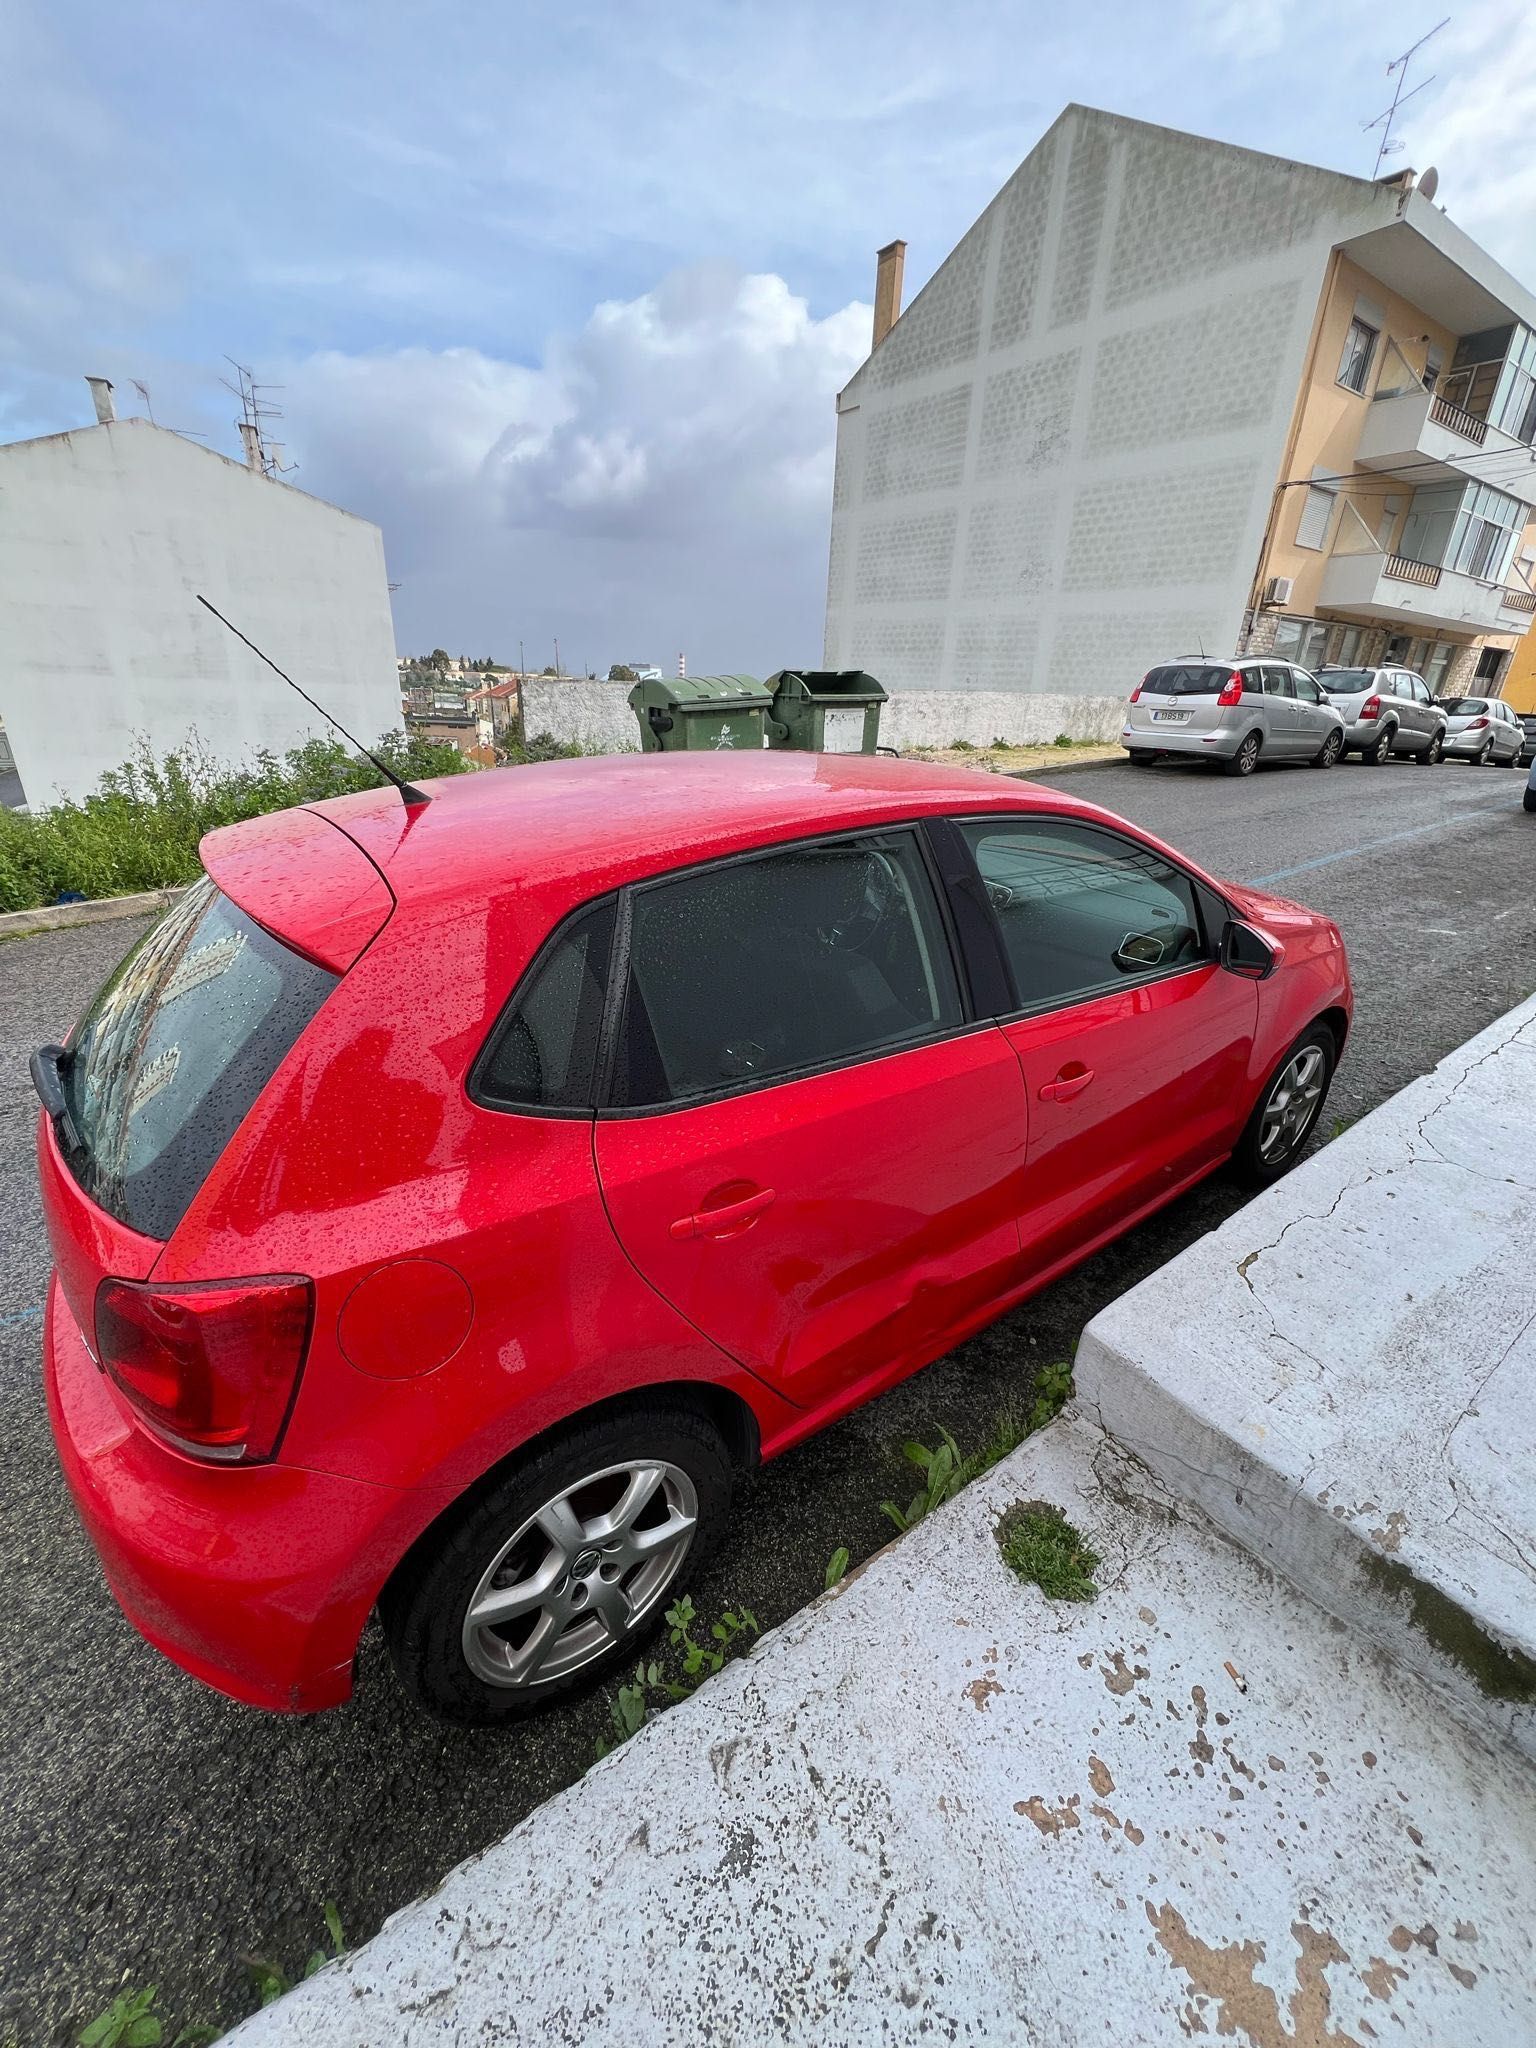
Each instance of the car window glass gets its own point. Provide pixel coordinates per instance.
(1279, 683)
(544, 1053)
(758, 969)
(1082, 910)
(175, 1049)
(1304, 686)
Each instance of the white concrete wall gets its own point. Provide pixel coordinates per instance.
(1057, 467)
(106, 537)
(597, 715)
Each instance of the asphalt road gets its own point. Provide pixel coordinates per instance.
(156, 1832)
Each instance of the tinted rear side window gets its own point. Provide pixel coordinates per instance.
(174, 1050)
(1174, 681)
(763, 968)
(544, 1054)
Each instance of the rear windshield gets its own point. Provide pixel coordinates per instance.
(1343, 680)
(1201, 681)
(1466, 707)
(175, 1049)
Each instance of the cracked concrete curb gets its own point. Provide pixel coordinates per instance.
(52, 917)
(1343, 1377)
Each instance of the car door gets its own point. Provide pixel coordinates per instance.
(1415, 692)
(1284, 738)
(811, 1149)
(1314, 715)
(1133, 1041)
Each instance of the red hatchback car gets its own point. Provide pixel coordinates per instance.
(450, 1201)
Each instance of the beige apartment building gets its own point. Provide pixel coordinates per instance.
(1168, 394)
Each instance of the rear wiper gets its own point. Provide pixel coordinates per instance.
(49, 1083)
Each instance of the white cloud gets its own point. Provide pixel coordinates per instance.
(662, 480)
(1476, 126)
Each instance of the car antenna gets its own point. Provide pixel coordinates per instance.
(410, 794)
(1200, 643)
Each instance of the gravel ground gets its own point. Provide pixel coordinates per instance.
(159, 1833)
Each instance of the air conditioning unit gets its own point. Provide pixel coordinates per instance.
(1279, 589)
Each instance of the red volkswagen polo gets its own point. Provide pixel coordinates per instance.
(451, 1200)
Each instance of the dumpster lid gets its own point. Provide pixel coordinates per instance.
(829, 685)
(669, 690)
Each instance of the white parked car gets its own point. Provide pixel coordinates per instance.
(1236, 713)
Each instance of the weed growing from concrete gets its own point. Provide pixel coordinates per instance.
(837, 1565)
(945, 1471)
(271, 1980)
(1043, 1549)
(630, 1707)
(131, 2021)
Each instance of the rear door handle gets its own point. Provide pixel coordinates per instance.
(728, 1218)
(1069, 1082)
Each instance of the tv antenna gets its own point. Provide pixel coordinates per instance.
(257, 412)
(1398, 68)
(143, 391)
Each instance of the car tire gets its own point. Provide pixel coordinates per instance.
(1272, 1141)
(1433, 754)
(578, 1476)
(1485, 756)
(1329, 752)
(1380, 748)
(1530, 799)
(1246, 759)
(1509, 763)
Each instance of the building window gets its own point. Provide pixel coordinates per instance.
(1440, 657)
(1514, 400)
(1359, 347)
(1316, 512)
(1486, 532)
(1490, 668)
(1302, 641)
(1349, 646)
(1434, 368)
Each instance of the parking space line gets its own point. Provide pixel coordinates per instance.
(1324, 860)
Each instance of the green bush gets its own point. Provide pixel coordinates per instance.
(140, 829)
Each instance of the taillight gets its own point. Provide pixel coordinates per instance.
(1477, 725)
(1371, 708)
(1136, 693)
(211, 1367)
(1232, 690)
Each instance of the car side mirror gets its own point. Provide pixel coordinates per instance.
(1247, 952)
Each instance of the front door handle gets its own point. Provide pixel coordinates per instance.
(725, 1221)
(1069, 1082)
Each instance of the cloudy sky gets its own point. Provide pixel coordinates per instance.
(561, 295)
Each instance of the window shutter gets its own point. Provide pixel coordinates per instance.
(1312, 527)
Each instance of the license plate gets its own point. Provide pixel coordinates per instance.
(1170, 717)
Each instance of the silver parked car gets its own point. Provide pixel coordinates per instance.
(1386, 711)
(1482, 729)
(1239, 712)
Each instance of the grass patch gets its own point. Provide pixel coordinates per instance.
(1041, 1547)
(945, 1471)
(141, 827)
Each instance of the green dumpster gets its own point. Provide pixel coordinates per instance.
(691, 714)
(825, 710)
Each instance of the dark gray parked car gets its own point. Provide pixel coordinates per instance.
(1386, 711)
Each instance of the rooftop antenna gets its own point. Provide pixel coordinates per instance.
(409, 792)
(1398, 68)
(143, 391)
(256, 414)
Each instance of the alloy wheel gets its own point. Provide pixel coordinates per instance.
(1293, 1103)
(1248, 756)
(580, 1574)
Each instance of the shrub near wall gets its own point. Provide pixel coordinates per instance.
(141, 829)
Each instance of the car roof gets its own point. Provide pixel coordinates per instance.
(543, 838)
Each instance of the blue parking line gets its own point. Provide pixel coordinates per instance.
(1325, 860)
(23, 1315)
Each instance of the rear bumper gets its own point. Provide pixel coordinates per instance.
(256, 1580)
(1173, 739)
(1466, 746)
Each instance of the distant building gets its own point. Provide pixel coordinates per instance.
(1169, 394)
(108, 535)
(495, 710)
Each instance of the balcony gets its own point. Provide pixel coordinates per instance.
(1421, 594)
(1429, 440)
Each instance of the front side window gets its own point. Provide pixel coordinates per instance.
(544, 1053)
(1306, 689)
(1081, 910)
(758, 969)
(1359, 347)
(175, 1049)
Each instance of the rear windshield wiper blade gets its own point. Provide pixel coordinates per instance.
(49, 1083)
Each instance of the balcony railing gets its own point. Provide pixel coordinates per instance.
(1518, 600)
(1451, 417)
(1401, 570)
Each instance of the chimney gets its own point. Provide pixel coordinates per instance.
(888, 268)
(251, 436)
(101, 397)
